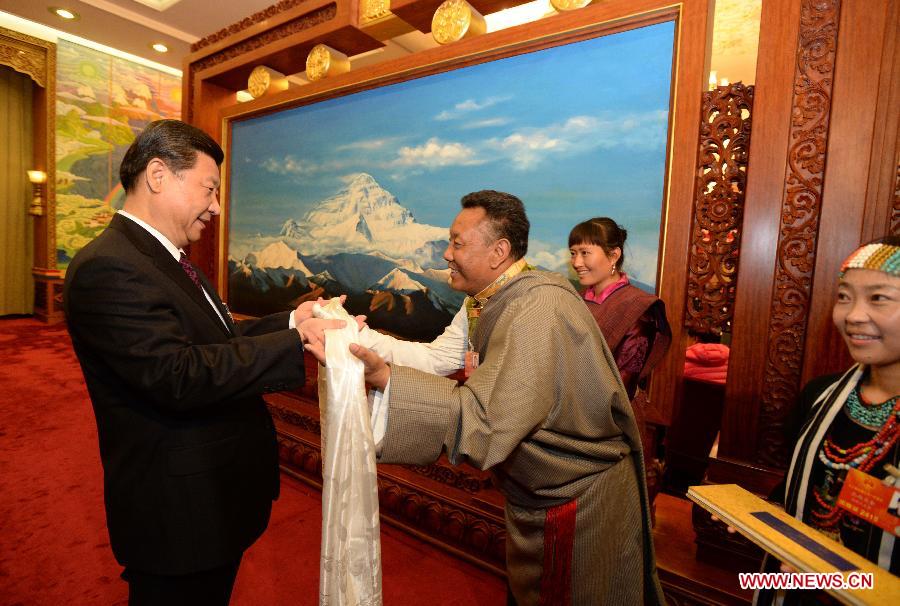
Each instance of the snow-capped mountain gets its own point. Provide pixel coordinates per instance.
(277, 255)
(341, 246)
(364, 217)
(399, 282)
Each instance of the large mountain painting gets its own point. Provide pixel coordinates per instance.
(355, 194)
(390, 266)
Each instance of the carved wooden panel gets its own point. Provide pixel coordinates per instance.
(246, 22)
(798, 231)
(454, 507)
(895, 211)
(25, 54)
(742, 555)
(718, 208)
(301, 23)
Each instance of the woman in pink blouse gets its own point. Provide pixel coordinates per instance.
(632, 320)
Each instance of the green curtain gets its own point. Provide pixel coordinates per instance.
(16, 229)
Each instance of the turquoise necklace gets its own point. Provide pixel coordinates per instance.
(869, 415)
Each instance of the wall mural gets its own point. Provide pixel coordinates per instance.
(355, 194)
(102, 102)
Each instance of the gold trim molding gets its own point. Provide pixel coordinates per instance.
(454, 20)
(569, 5)
(373, 10)
(325, 62)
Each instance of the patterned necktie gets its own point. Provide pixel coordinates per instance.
(190, 271)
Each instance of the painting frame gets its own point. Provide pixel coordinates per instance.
(690, 42)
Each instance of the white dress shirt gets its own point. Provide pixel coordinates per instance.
(176, 254)
(443, 356)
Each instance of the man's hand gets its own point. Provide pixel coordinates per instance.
(312, 331)
(378, 373)
(304, 311)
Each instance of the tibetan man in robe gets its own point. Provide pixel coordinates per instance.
(543, 409)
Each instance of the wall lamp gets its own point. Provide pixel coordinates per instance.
(37, 178)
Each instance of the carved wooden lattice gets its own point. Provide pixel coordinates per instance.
(801, 209)
(719, 208)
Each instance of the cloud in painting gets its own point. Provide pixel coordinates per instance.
(436, 154)
(468, 106)
(528, 147)
(547, 256)
(367, 144)
(489, 123)
(295, 167)
(289, 165)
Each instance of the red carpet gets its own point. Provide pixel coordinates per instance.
(54, 548)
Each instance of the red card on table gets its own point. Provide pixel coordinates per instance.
(870, 499)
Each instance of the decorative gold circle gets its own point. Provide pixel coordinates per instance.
(318, 62)
(451, 21)
(259, 81)
(569, 5)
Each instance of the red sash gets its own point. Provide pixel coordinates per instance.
(559, 541)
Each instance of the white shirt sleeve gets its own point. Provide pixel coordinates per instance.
(443, 356)
(378, 401)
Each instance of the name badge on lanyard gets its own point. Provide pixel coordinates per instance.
(872, 500)
(471, 363)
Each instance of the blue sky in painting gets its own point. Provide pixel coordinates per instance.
(575, 131)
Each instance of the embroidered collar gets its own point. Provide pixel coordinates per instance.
(475, 303)
(589, 294)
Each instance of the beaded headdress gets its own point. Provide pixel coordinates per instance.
(880, 257)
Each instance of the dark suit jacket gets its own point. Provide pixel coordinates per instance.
(188, 448)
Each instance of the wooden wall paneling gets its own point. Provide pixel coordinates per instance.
(883, 193)
(688, 86)
(789, 307)
(821, 179)
(779, 29)
(858, 185)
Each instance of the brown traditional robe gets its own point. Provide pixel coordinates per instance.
(546, 412)
(630, 312)
(626, 316)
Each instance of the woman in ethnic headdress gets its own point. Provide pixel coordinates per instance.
(632, 320)
(853, 418)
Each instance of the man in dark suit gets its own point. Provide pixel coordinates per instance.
(188, 448)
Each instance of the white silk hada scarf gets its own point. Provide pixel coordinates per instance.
(350, 565)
